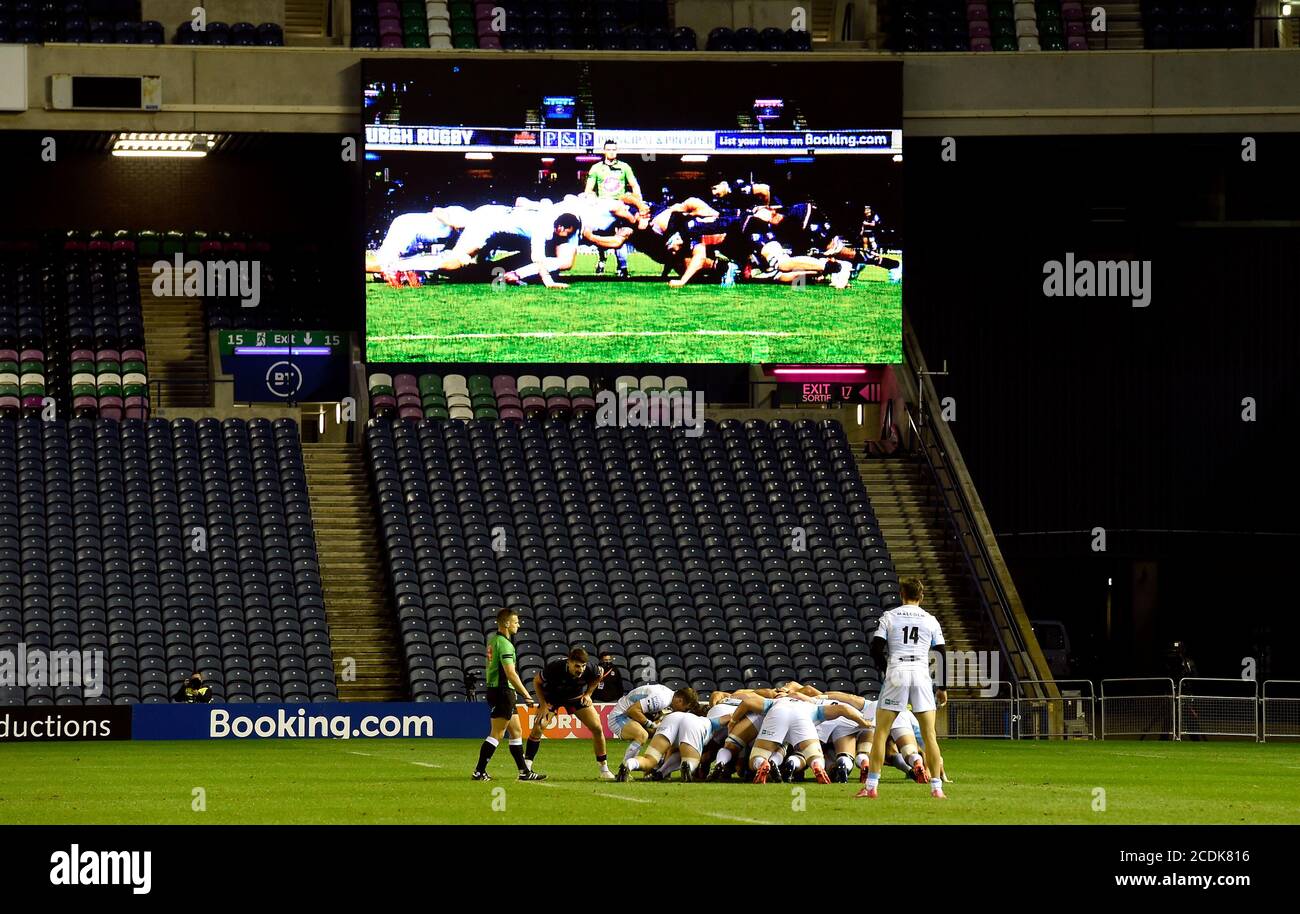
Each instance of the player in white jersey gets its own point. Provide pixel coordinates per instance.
(685, 732)
(433, 227)
(792, 719)
(633, 716)
(909, 633)
(545, 239)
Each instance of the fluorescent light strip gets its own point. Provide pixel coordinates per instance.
(161, 153)
(826, 371)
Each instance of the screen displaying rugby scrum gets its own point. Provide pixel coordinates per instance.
(622, 211)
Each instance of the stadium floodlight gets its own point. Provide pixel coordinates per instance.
(163, 145)
(695, 157)
(1286, 9)
(479, 156)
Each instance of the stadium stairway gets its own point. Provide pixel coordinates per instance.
(1123, 28)
(356, 602)
(305, 23)
(176, 346)
(917, 534)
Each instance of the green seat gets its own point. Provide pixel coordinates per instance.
(581, 392)
(382, 390)
(465, 42)
(460, 8)
(173, 243)
(31, 390)
(109, 390)
(485, 413)
(436, 412)
(413, 10)
(108, 368)
(464, 27)
(415, 30)
(429, 382)
(484, 401)
(9, 366)
(1050, 28)
(529, 392)
(555, 392)
(149, 244)
(128, 367)
(999, 11)
(479, 384)
(433, 400)
(415, 41)
(1003, 29)
(9, 390)
(81, 366)
(1003, 43)
(1053, 43)
(1049, 13)
(32, 365)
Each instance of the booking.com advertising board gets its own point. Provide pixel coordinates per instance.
(336, 720)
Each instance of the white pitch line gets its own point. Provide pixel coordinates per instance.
(391, 759)
(718, 815)
(585, 334)
(615, 796)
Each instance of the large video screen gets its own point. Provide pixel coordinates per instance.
(633, 211)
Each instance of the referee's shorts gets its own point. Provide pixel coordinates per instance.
(501, 702)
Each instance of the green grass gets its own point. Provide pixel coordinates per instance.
(427, 781)
(636, 321)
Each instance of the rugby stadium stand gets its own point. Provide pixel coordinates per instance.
(173, 546)
(744, 556)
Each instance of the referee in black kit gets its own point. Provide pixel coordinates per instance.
(569, 683)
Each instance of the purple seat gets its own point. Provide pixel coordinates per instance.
(584, 403)
(489, 43)
(508, 401)
(981, 44)
(512, 412)
(976, 11)
(108, 355)
(405, 384)
(504, 384)
(32, 355)
(137, 403)
(83, 402)
(33, 402)
(411, 412)
(114, 402)
(1071, 11)
(129, 355)
(383, 400)
(390, 27)
(979, 29)
(557, 403)
(1075, 29)
(137, 412)
(534, 402)
(110, 412)
(390, 41)
(11, 355)
(389, 10)
(408, 400)
(483, 28)
(1076, 43)
(124, 244)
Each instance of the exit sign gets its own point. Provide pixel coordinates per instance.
(825, 393)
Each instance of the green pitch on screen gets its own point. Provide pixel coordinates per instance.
(636, 321)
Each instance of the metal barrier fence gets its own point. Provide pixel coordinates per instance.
(1141, 708)
(1218, 707)
(978, 713)
(1071, 716)
(1281, 712)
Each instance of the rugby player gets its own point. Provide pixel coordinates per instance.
(633, 715)
(612, 179)
(685, 732)
(909, 633)
(568, 683)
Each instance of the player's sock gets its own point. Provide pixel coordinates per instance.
(844, 762)
(671, 764)
(724, 756)
(873, 780)
(485, 753)
(776, 758)
(530, 752)
(897, 761)
(633, 764)
(632, 750)
(913, 759)
(936, 784)
(603, 762)
(517, 753)
(794, 762)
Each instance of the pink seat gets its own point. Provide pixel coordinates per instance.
(110, 412)
(512, 413)
(504, 383)
(11, 355)
(84, 402)
(508, 400)
(137, 403)
(383, 400)
(1076, 43)
(489, 43)
(390, 27)
(408, 400)
(584, 403)
(32, 355)
(1071, 11)
(1075, 29)
(115, 402)
(977, 11)
(129, 355)
(534, 402)
(405, 384)
(389, 10)
(979, 30)
(12, 402)
(137, 412)
(33, 402)
(410, 412)
(390, 41)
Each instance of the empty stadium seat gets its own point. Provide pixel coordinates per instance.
(640, 542)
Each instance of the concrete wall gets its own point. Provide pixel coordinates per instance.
(317, 90)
